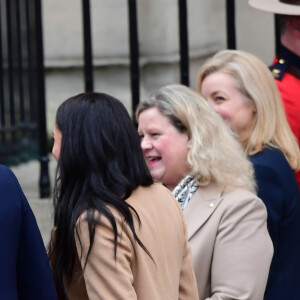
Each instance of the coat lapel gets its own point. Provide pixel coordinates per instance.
(201, 206)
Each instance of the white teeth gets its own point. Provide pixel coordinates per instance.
(152, 158)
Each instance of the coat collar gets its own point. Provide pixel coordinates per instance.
(204, 202)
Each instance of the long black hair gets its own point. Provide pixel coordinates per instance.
(100, 164)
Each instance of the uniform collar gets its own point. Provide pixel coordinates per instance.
(285, 61)
(291, 58)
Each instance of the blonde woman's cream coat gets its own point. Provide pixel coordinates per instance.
(230, 244)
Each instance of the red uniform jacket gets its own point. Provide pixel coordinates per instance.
(286, 71)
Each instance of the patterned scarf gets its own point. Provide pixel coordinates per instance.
(184, 190)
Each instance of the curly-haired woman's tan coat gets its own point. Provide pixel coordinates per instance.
(230, 243)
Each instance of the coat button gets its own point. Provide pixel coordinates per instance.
(211, 205)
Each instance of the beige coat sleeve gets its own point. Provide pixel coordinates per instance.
(187, 282)
(242, 253)
(106, 278)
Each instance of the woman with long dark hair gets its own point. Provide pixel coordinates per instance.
(111, 237)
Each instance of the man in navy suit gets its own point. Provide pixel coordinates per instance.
(24, 267)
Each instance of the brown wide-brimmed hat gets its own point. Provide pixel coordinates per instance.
(281, 7)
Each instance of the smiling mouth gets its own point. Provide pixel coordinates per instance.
(153, 160)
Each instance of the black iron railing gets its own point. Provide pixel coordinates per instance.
(184, 45)
(22, 92)
(23, 132)
(230, 24)
(87, 42)
(134, 55)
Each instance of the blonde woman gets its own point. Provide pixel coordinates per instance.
(194, 154)
(242, 90)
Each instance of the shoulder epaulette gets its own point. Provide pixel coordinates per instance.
(285, 59)
(278, 69)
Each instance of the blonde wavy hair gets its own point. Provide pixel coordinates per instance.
(254, 81)
(214, 155)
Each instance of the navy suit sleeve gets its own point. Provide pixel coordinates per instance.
(272, 194)
(279, 192)
(277, 187)
(24, 266)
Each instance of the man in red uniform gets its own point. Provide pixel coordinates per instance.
(286, 65)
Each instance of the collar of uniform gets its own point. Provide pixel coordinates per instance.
(285, 61)
(291, 58)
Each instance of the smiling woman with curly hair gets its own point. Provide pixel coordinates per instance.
(195, 155)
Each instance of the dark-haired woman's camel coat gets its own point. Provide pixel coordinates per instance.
(230, 244)
(134, 275)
